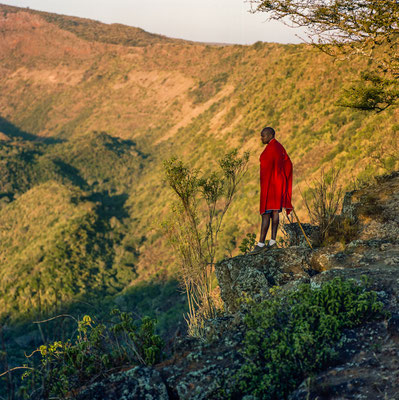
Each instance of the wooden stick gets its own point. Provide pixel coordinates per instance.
(304, 234)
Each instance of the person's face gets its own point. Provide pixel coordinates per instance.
(266, 137)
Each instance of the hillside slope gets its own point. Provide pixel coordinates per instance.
(66, 80)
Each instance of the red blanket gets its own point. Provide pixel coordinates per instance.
(275, 178)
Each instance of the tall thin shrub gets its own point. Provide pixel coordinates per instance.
(193, 228)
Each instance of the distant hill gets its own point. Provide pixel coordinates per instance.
(95, 108)
(97, 31)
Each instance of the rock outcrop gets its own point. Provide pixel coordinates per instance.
(368, 363)
(253, 275)
(373, 211)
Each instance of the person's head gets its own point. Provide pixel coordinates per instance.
(267, 134)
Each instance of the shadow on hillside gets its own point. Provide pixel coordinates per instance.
(162, 300)
(129, 143)
(72, 173)
(14, 132)
(110, 205)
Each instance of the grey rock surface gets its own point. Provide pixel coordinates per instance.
(138, 383)
(253, 275)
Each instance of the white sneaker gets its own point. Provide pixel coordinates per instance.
(258, 249)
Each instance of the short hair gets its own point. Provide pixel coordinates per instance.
(269, 129)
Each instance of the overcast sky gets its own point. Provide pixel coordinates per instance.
(226, 21)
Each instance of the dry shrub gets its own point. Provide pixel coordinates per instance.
(323, 200)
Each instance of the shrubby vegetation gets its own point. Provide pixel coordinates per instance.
(194, 228)
(295, 334)
(64, 250)
(96, 162)
(103, 162)
(96, 351)
(21, 166)
(248, 243)
(75, 240)
(323, 200)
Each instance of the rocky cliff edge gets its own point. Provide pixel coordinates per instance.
(368, 365)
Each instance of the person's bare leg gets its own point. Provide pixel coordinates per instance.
(264, 227)
(275, 221)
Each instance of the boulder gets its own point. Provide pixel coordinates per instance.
(253, 275)
(296, 237)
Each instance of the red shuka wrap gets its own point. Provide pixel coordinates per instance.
(275, 178)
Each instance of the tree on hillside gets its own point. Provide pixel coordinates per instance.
(367, 28)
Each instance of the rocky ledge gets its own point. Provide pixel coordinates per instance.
(368, 363)
(372, 213)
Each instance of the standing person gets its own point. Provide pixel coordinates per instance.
(275, 187)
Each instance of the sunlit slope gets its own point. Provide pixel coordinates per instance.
(173, 93)
(193, 100)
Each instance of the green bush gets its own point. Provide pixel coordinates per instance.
(291, 336)
(97, 351)
(248, 243)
